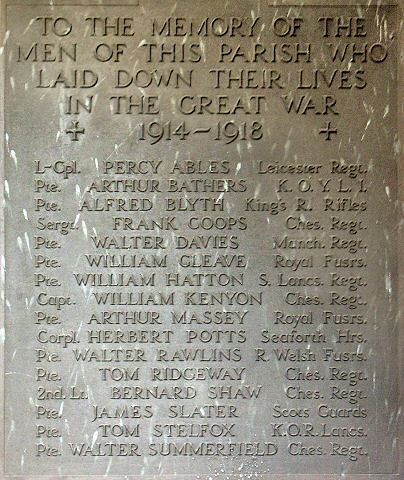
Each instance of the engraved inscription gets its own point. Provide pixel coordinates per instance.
(200, 212)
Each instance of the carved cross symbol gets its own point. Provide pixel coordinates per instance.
(74, 131)
(328, 131)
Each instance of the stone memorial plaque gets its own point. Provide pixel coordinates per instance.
(201, 216)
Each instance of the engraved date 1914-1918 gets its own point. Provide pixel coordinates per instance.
(227, 132)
